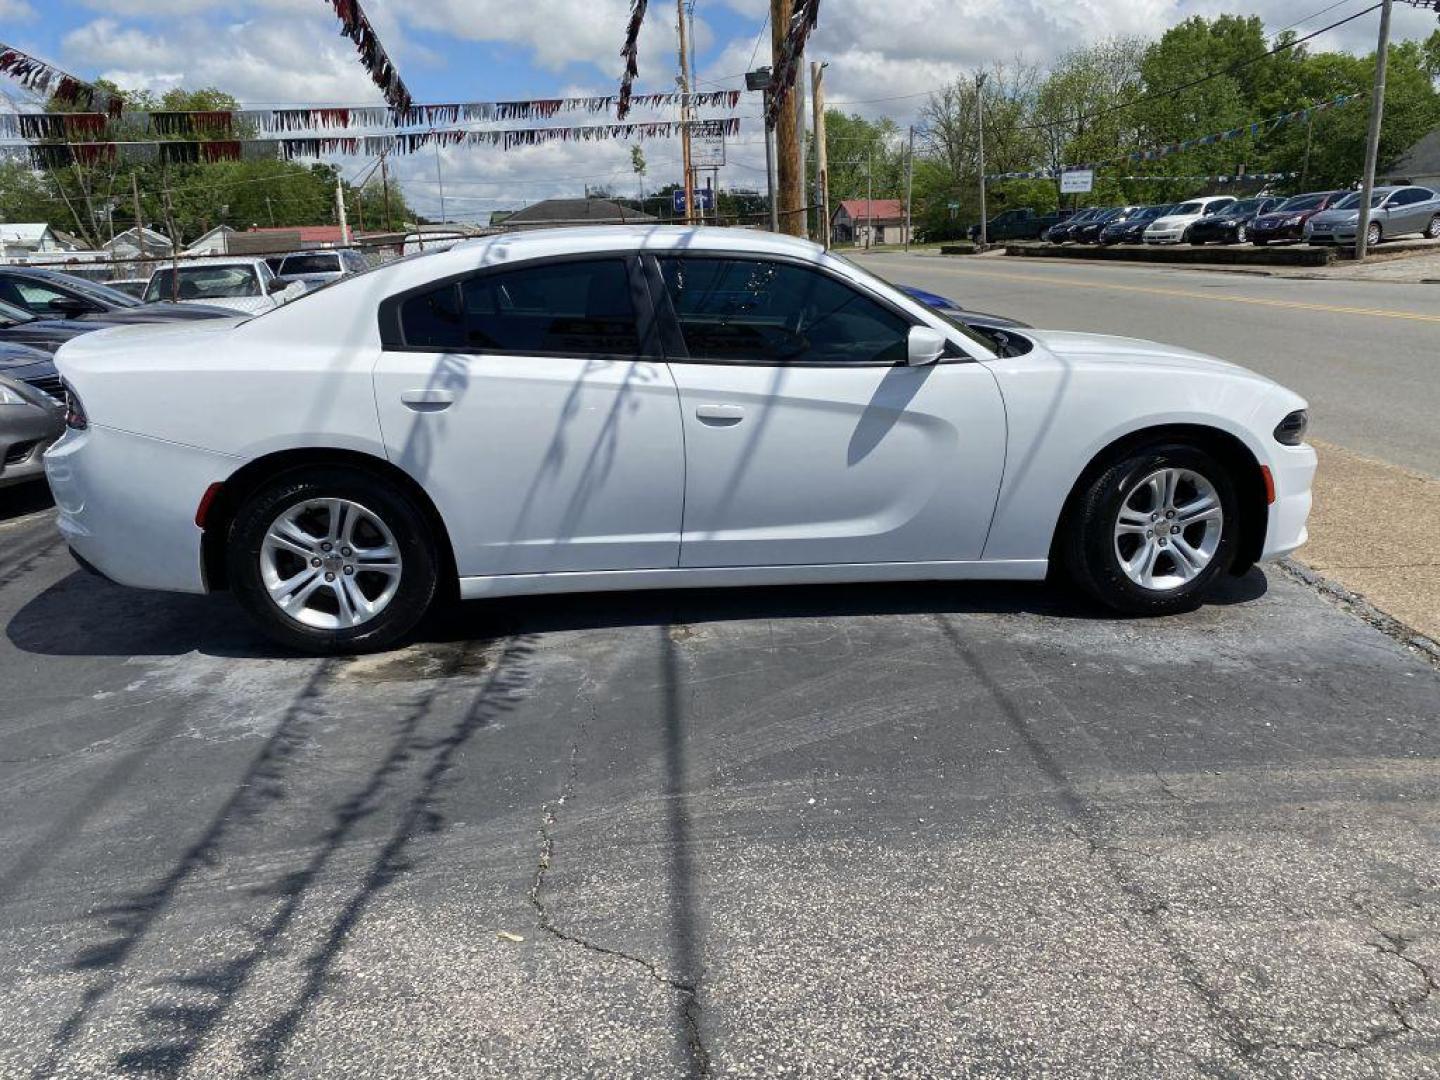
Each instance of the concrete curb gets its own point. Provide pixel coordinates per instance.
(1358, 605)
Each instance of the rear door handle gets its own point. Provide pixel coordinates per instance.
(720, 415)
(427, 400)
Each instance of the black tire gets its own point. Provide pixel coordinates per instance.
(419, 566)
(1374, 234)
(1088, 545)
(1432, 231)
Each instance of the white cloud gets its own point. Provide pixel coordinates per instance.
(16, 11)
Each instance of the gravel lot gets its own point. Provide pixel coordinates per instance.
(921, 831)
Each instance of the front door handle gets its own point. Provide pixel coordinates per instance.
(427, 400)
(720, 415)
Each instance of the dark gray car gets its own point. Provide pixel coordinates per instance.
(29, 422)
(48, 294)
(1401, 210)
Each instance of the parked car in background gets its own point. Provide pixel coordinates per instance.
(244, 285)
(1394, 211)
(1174, 226)
(20, 327)
(30, 421)
(1128, 228)
(1019, 223)
(1232, 224)
(130, 286)
(1060, 232)
(50, 295)
(1089, 233)
(314, 268)
(1287, 221)
(27, 364)
(434, 427)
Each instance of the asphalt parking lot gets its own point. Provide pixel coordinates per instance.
(951, 830)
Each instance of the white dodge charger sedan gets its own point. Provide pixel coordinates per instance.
(624, 408)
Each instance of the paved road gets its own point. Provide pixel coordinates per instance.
(931, 831)
(1365, 353)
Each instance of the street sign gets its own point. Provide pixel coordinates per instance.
(704, 198)
(1077, 181)
(707, 146)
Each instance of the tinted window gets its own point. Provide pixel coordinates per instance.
(1246, 206)
(1409, 195)
(576, 308)
(310, 264)
(93, 290)
(756, 311)
(30, 295)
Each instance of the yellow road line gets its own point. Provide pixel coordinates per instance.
(1297, 304)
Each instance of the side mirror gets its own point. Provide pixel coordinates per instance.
(924, 346)
(70, 306)
(277, 285)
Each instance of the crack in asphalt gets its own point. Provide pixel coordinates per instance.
(690, 1011)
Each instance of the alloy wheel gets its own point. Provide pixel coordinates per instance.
(1168, 528)
(330, 564)
(1241, 234)
(1433, 229)
(1372, 235)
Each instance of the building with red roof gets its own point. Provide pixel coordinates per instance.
(876, 221)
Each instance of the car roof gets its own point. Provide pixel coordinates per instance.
(228, 260)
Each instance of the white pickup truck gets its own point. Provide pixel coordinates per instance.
(247, 285)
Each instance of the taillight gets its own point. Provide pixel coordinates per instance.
(74, 411)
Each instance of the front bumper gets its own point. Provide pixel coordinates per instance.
(127, 505)
(1279, 232)
(25, 434)
(1338, 234)
(1165, 236)
(1293, 470)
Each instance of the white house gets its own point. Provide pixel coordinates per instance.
(130, 244)
(214, 242)
(862, 222)
(17, 239)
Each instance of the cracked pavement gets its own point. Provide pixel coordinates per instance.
(929, 831)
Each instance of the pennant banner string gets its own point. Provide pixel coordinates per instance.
(36, 75)
(179, 151)
(227, 124)
(355, 25)
(630, 52)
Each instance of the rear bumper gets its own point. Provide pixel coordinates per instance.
(1293, 470)
(127, 505)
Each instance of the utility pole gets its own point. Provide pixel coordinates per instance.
(870, 197)
(1372, 139)
(770, 171)
(822, 157)
(440, 179)
(798, 90)
(684, 81)
(980, 131)
(788, 161)
(909, 185)
(139, 222)
(385, 188)
(340, 210)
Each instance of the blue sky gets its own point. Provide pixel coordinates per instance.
(883, 59)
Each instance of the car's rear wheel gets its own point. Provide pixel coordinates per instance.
(332, 560)
(1242, 234)
(1153, 530)
(1433, 229)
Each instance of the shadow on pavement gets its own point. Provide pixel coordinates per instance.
(22, 499)
(83, 615)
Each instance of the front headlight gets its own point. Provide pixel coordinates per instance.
(1291, 430)
(9, 397)
(1296, 220)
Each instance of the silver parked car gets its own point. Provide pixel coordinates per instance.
(316, 268)
(30, 420)
(1394, 211)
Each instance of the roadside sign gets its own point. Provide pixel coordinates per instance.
(1077, 181)
(707, 146)
(704, 198)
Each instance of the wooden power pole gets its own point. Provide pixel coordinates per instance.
(789, 163)
(822, 161)
(685, 113)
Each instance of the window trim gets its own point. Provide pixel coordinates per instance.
(674, 336)
(392, 332)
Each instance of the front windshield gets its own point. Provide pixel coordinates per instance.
(10, 314)
(950, 317)
(1188, 208)
(1352, 201)
(1303, 202)
(1148, 213)
(208, 282)
(310, 264)
(1244, 206)
(1107, 215)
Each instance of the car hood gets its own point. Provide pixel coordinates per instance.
(1169, 221)
(24, 363)
(159, 311)
(1336, 217)
(1069, 345)
(48, 334)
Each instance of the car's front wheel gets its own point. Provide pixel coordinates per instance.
(333, 560)
(1433, 229)
(1372, 235)
(1153, 530)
